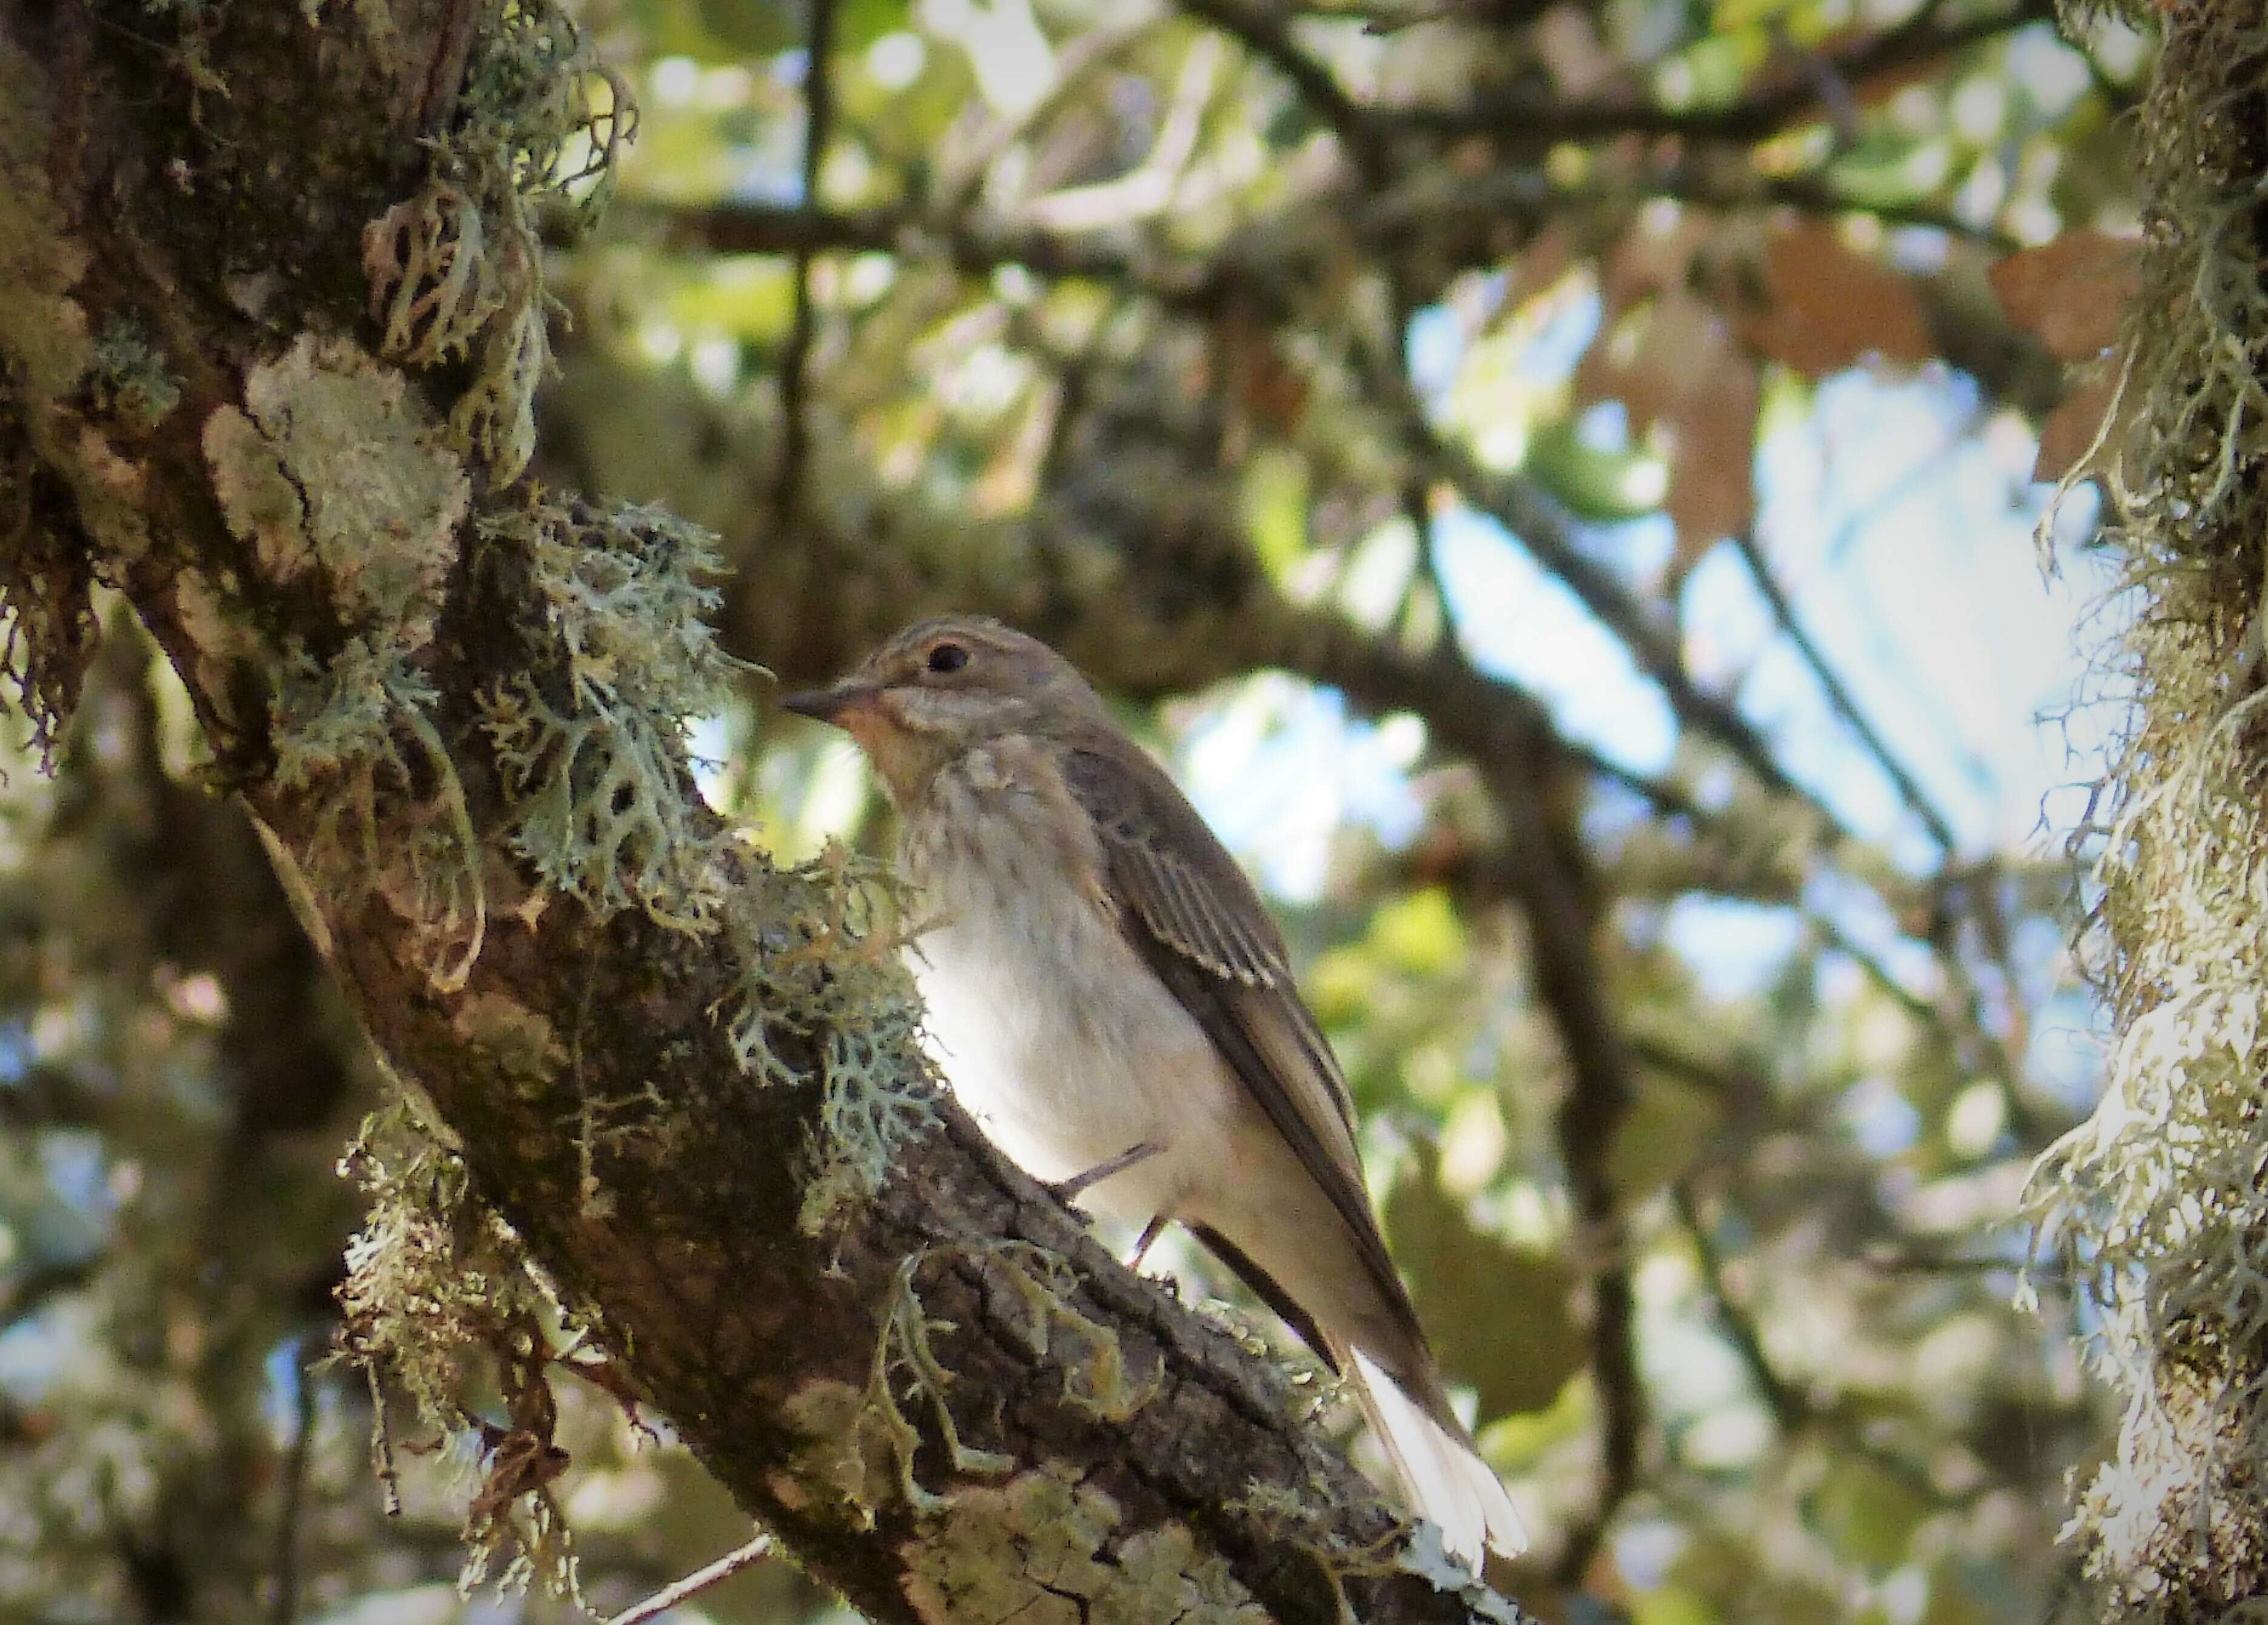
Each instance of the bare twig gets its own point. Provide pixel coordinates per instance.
(1266, 37)
(1788, 1404)
(1839, 696)
(700, 1580)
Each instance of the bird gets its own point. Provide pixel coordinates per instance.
(1108, 998)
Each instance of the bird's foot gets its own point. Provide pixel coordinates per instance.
(1069, 1191)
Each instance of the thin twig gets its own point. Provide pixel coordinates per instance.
(1788, 1406)
(1839, 696)
(700, 1580)
(294, 1488)
(819, 120)
(1267, 39)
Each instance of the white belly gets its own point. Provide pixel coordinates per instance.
(1053, 1033)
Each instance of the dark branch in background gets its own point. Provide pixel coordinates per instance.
(1548, 532)
(1799, 93)
(819, 127)
(1545, 870)
(1790, 1408)
(1265, 37)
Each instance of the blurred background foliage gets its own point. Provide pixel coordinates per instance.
(1557, 483)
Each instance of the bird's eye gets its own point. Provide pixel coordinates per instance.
(947, 657)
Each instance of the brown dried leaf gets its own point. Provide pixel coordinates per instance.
(1712, 447)
(1826, 305)
(1685, 379)
(2071, 292)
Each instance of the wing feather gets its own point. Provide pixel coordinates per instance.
(1187, 907)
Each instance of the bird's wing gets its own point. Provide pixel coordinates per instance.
(1193, 916)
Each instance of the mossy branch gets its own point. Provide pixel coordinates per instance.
(678, 1120)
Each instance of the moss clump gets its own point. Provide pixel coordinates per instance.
(2157, 1202)
(459, 265)
(592, 756)
(439, 1300)
(358, 729)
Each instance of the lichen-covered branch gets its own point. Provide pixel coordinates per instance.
(662, 1117)
(2157, 1202)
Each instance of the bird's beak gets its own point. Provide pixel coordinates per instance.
(830, 704)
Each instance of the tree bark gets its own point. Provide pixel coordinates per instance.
(688, 1086)
(2157, 1203)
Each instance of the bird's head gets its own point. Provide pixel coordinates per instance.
(945, 685)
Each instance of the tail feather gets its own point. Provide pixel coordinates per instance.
(1441, 1473)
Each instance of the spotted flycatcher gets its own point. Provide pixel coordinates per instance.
(1109, 999)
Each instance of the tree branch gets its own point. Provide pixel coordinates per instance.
(1797, 92)
(818, 128)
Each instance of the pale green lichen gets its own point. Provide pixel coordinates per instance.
(2156, 1203)
(601, 803)
(863, 1444)
(520, 1043)
(1044, 1549)
(390, 812)
(832, 974)
(130, 376)
(43, 333)
(459, 264)
(1039, 1285)
(329, 467)
(440, 1300)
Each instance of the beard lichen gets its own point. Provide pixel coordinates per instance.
(2157, 1203)
(459, 263)
(48, 629)
(441, 1300)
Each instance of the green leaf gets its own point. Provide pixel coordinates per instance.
(1666, 1129)
(749, 27)
(748, 296)
(1497, 1314)
(1597, 484)
(1419, 933)
(1868, 1513)
(1276, 509)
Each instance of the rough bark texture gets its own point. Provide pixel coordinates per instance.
(452, 707)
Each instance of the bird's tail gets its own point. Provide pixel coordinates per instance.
(1441, 1472)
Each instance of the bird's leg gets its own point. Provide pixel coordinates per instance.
(1071, 1189)
(1150, 1232)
